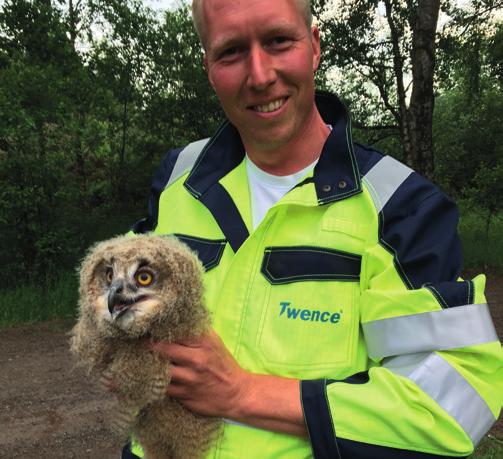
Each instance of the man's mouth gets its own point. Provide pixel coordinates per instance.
(271, 106)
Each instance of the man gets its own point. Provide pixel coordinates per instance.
(331, 271)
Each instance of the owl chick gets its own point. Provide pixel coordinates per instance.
(133, 289)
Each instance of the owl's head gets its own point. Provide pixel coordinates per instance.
(141, 286)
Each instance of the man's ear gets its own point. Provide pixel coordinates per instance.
(315, 40)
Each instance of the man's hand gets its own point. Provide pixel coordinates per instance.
(207, 379)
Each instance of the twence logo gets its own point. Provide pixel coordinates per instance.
(308, 315)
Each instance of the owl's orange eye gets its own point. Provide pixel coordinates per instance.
(144, 278)
(109, 275)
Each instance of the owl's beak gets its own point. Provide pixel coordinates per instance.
(122, 297)
(117, 303)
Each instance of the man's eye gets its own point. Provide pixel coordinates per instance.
(229, 52)
(280, 41)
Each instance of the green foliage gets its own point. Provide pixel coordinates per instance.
(33, 30)
(357, 59)
(85, 121)
(467, 131)
(495, 54)
(481, 248)
(468, 137)
(385, 61)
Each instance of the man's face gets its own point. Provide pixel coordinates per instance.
(260, 59)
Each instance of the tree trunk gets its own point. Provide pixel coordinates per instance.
(402, 115)
(79, 156)
(72, 26)
(422, 101)
(122, 153)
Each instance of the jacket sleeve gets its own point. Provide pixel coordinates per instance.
(434, 384)
(173, 166)
(160, 180)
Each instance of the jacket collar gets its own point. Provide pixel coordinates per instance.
(335, 176)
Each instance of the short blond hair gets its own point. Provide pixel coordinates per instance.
(198, 16)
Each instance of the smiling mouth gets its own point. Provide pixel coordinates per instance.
(271, 106)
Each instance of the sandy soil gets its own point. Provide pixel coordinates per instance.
(48, 409)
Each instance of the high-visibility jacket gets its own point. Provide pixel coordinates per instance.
(350, 284)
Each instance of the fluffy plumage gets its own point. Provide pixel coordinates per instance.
(133, 289)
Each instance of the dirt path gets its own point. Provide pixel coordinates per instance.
(48, 409)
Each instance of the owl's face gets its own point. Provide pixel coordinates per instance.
(131, 284)
(130, 291)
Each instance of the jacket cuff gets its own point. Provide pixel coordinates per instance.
(321, 430)
(318, 419)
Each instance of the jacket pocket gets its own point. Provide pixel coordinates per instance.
(283, 265)
(209, 251)
(310, 316)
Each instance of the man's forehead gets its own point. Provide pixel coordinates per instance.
(232, 34)
(227, 20)
(236, 8)
(218, 5)
(217, 8)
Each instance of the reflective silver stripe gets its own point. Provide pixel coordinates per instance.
(384, 179)
(444, 384)
(429, 331)
(186, 159)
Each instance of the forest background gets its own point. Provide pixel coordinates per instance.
(93, 93)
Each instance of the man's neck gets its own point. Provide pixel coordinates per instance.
(296, 154)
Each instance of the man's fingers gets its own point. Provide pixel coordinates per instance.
(182, 375)
(178, 391)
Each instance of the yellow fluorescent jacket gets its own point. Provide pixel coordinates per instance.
(350, 284)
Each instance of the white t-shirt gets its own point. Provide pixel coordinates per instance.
(267, 189)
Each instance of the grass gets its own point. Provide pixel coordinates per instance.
(489, 448)
(481, 250)
(35, 303)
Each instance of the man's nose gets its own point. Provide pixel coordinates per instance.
(261, 71)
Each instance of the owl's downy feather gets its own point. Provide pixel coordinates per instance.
(133, 289)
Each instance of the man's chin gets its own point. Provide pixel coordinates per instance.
(268, 138)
